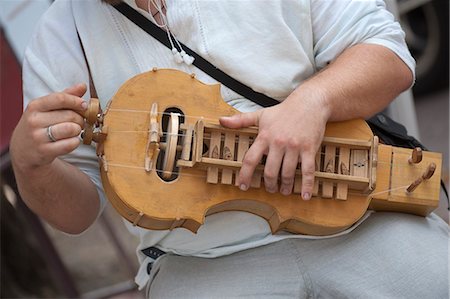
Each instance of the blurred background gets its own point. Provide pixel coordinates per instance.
(40, 262)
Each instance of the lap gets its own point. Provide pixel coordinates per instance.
(389, 256)
(249, 273)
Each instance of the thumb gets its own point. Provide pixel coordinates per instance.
(241, 120)
(76, 90)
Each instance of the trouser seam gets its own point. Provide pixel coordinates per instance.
(309, 286)
(154, 272)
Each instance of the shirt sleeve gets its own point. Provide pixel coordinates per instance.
(338, 25)
(52, 62)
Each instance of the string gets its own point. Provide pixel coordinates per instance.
(160, 6)
(157, 170)
(162, 113)
(154, 169)
(372, 195)
(389, 190)
(179, 56)
(398, 167)
(164, 134)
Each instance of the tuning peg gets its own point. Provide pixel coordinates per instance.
(92, 112)
(416, 156)
(425, 176)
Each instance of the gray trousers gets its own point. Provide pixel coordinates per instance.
(390, 255)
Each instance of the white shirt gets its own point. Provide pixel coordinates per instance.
(272, 46)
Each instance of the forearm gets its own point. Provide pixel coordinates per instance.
(361, 82)
(55, 190)
(60, 193)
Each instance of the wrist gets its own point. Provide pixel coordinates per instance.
(28, 170)
(313, 99)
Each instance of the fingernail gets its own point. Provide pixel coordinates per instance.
(271, 190)
(84, 105)
(285, 191)
(243, 187)
(306, 196)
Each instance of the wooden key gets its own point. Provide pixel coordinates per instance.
(298, 184)
(318, 168)
(344, 168)
(213, 172)
(330, 154)
(256, 179)
(228, 154)
(243, 145)
(359, 163)
(187, 143)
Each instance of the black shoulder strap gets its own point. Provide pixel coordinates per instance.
(204, 65)
(92, 90)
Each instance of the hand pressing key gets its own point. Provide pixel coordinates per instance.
(289, 133)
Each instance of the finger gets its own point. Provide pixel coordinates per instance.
(63, 131)
(272, 168)
(308, 169)
(58, 116)
(58, 101)
(76, 90)
(61, 147)
(62, 116)
(241, 120)
(290, 163)
(251, 159)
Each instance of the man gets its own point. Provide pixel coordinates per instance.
(324, 60)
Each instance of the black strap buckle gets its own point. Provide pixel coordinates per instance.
(153, 252)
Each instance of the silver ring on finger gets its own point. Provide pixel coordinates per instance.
(50, 135)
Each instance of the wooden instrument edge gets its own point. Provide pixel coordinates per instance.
(382, 202)
(379, 200)
(261, 209)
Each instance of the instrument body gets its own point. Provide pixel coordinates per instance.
(166, 163)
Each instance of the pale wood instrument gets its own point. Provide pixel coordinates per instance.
(167, 163)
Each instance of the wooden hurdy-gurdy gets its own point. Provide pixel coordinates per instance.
(165, 163)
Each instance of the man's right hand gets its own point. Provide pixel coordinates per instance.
(31, 144)
(57, 191)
